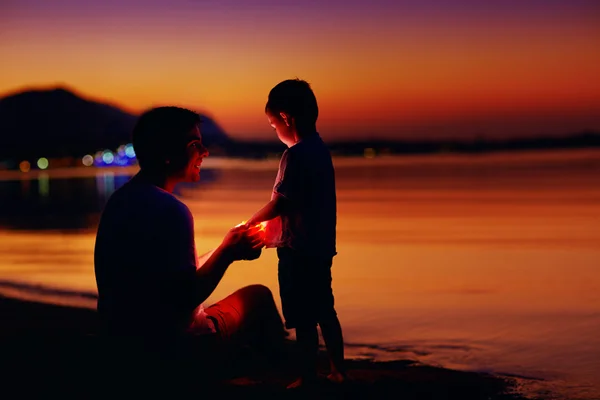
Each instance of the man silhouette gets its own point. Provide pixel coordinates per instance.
(151, 284)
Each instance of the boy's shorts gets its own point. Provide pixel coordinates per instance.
(305, 288)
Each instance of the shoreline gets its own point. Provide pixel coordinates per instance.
(49, 339)
(340, 161)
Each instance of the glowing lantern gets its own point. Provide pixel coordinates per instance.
(262, 226)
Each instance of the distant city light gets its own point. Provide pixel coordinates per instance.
(121, 150)
(42, 163)
(87, 160)
(108, 157)
(129, 152)
(369, 152)
(121, 160)
(24, 166)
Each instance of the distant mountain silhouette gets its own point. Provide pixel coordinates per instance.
(58, 122)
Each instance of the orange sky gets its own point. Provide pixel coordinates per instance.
(384, 71)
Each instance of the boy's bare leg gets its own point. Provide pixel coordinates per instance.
(307, 339)
(331, 330)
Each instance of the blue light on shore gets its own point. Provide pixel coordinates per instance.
(121, 161)
(122, 156)
(108, 157)
(129, 152)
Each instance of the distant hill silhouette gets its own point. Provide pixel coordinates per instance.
(58, 122)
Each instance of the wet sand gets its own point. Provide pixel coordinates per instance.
(51, 349)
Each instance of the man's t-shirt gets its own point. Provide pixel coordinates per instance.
(306, 178)
(145, 262)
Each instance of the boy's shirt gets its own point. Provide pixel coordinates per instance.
(306, 178)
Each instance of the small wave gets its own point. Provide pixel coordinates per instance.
(388, 349)
(32, 289)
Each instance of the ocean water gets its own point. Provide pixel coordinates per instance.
(475, 262)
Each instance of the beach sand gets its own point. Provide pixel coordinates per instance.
(52, 349)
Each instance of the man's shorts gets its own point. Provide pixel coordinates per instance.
(227, 319)
(215, 346)
(305, 288)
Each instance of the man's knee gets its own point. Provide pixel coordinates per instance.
(258, 292)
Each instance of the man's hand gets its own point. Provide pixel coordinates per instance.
(244, 242)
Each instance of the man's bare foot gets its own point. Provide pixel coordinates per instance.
(337, 377)
(302, 383)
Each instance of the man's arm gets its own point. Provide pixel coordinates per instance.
(187, 280)
(203, 258)
(237, 245)
(211, 269)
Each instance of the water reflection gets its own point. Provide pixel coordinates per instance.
(483, 263)
(105, 184)
(47, 203)
(44, 185)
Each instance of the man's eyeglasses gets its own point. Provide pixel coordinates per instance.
(197, 144)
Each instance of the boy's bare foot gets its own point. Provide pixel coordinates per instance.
(298, 383)
(337, 377)
(302, 383)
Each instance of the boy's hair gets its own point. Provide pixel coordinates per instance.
(159, 133)
(295, 98)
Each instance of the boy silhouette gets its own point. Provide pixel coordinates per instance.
(302, 226)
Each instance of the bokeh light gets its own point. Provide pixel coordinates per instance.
(108, 157)
(42, 163)
(87, 160)
(25, 166)
(129, 152)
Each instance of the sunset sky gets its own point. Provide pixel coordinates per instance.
(389, 69)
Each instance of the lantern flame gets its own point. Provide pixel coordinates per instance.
(261, 227)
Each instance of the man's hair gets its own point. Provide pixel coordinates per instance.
(159, 134)
(295, 98)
